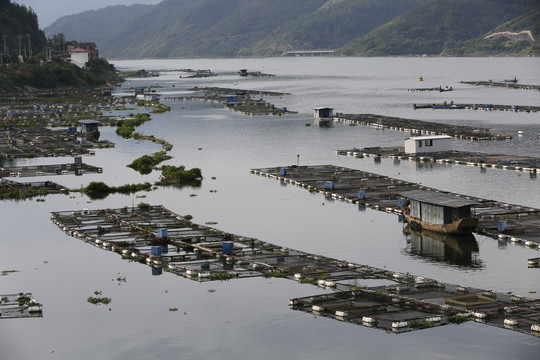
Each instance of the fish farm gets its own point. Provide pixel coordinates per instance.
(43, 142)
(75, 168)
(21, 305)
(482, 160)
(166, 241)
(486, 107)
(419, 126)
(508, 84)
(502, 221)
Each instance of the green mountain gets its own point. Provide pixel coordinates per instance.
(19, 25)
(229, 28)
(444, 27)
(518, 36)
(88, 25)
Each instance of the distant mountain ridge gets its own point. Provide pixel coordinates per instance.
(449, 27)
(251, 28)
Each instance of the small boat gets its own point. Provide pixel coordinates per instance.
(461, 226)
(446, 106)
(420, 78)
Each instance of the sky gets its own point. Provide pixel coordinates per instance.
(50, 10)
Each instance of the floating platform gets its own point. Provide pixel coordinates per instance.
(416, 127)
(383, 193)
(43, 142)
(439, 89)
(503, 84)
(486, 107)
(239, 100)
(47, 170)
(21, 305)
(10, 189)
(481, 160)
(166, 241)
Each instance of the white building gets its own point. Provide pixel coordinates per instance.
(79, 57)
(428, 144)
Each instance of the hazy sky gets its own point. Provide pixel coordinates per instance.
(50, 10)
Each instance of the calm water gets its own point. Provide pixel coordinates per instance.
(250, 318)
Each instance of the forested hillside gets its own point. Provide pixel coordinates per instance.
(19, 24)
(439, 27)
(229, 28)
(89, 25)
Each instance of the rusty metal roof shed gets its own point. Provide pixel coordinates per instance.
(437, 198)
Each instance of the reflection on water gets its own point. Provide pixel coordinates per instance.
(461, 250)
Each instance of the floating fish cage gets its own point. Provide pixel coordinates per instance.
(405, 302)
(21, 305)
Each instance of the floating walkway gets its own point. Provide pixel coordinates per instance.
(416, 127)
(21, 305)
(481, 160)
(522, 224)
(166, 241)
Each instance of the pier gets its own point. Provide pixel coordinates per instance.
(308, 53)
(481, 160)
(382, 193)
(419, 126)
(165, 241)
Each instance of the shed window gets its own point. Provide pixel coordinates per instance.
(420, 143)
(428, 142)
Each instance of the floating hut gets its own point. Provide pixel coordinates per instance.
(324, 116)
(89, 126)
(439, 212)
(428, 144)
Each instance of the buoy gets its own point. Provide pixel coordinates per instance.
(399, 324)
(510, 322)
(368, 320)
(479, 315)
(341, 314)
(535, 327)
(317, 308)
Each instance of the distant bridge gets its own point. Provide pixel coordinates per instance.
(308, 53)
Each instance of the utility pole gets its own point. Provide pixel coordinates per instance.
(29, 46)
